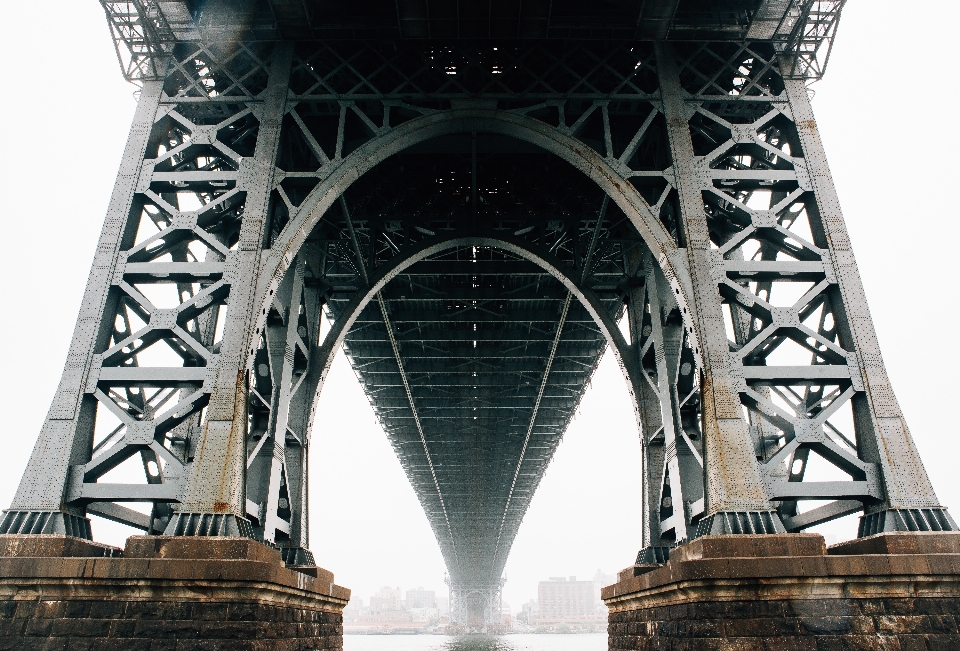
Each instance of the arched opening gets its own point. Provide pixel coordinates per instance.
(329, 181)
(471, 279)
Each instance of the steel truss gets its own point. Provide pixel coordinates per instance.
(476, 607)
(145, 32)
(471, 223)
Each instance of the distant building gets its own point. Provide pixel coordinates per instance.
(386, 598)
(529, 612)
(600, 581)
(506, 616)
(566, 600)
(420, 598)
(353, 609)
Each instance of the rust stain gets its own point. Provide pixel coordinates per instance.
(592, 158)
(239, 413)
(709, 424)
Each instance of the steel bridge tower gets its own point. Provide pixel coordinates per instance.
(469, 197)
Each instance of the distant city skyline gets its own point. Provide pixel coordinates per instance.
(563, 598)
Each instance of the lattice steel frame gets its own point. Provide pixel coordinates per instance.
(201, 167)
(145, 32)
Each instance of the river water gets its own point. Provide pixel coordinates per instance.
(538, 642)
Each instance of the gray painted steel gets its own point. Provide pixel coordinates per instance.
(470, 221)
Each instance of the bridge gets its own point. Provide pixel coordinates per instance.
(468, 198)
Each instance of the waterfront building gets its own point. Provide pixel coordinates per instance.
(421, 598)
(563, 599)
(386, 598)
(529, 612)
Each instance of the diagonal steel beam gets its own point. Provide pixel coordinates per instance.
(588, 259)
(361, 267)
(416, 418)
(533, 418)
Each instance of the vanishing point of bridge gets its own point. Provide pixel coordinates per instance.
(468, 197)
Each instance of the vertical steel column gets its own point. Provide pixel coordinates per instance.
(276, 463)
(671, 458)
(667, 341)
(213, 497)
(298, 419)
(285, 390)
(736, 501)
(910, 503)
(40, 504)
(652, 448)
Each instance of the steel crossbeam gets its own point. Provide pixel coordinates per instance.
(471, 221)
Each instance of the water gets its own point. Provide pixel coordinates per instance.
(544, 642)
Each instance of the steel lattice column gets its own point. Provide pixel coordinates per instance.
(214, 489)
(786, 339)
(187, 175)
(736, 501)
(41, 501)
(909, 503)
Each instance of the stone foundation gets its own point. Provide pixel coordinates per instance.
(163, 594)
(889, 592)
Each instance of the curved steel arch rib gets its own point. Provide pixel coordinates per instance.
(602, 171)
(321, 359)
(619, 346)
(508, 123)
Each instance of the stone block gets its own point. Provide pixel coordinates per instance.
(750, 546)
(942, 642)
(197, 547)
(919, 542)
(790, 644)
(165, 594)
(635, 570)
(792, 595)
(52, 546)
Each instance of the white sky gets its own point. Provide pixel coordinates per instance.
(884, 113)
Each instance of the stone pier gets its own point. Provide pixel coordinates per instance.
(895, 591)
(163, 594)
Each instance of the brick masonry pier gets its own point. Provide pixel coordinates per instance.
(889, 592)
(163, 594)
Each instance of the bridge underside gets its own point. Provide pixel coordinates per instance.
(468, 202)
(488, 354)
(454, 20)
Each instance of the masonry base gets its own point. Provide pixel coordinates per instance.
(162, 594)
(788, 592)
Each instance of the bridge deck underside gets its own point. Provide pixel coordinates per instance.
(446, 19)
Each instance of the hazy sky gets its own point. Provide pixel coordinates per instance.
(884, 112)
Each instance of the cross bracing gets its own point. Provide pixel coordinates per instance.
(144, 31)
(471, 220)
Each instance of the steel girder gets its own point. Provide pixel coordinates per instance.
(145, 32)
(472, 231)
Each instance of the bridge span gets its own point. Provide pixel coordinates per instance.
(468, 198)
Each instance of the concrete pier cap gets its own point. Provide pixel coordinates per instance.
(163, 592)
(897, 591)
